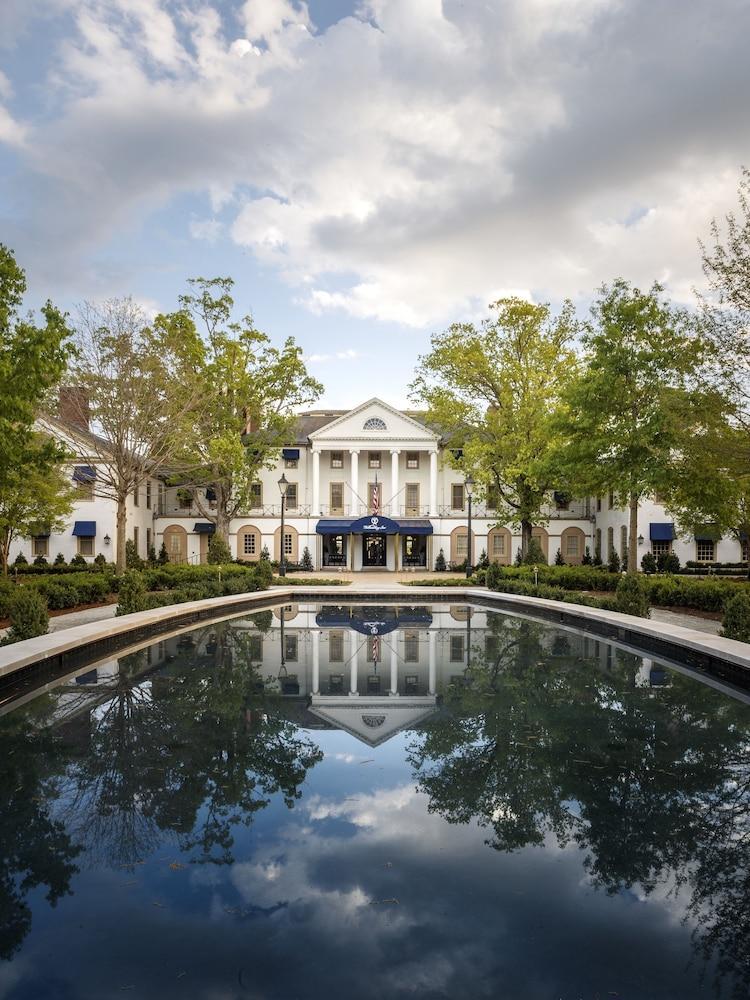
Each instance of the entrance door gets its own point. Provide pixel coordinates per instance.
(373, 550)
(203, 542)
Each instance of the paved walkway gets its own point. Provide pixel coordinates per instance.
(709, 625)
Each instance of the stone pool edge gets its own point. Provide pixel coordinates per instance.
(722, 657)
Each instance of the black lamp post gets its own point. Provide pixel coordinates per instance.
(283, 486)
(469, 486)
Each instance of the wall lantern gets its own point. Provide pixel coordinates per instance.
(640, 539)
(107, 539)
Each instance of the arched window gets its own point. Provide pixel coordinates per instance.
(248, 543)
(291, 544)
(175, 541)
(499, 546)
(374, 424)
(573, 546)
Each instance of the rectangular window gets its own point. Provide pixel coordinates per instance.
(337, 498)
(256, 496)
(462, 545)
(611, 499)
(623, 541)
(498, 545)
(335, 647)
(256, 648)
(412, 498)
(571, 545)
(291, 496)
(411, 647)
(137, 495)
(610, 541)
(661, 548)
(704, 550)
(291, 463)
(457, 496)
(288, 544)
(490, 648)
(659, 498)
(41, 545)
(248, 544)
(412, 460)
(598, 503)
(290, 648)
(373, 459)
(148, 494)
(148, 540)
(85, 490)
(136, 539)
(337, 459)
(457, 648)
(85, 546)
(493, 497)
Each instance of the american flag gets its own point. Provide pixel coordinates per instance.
(375, 497)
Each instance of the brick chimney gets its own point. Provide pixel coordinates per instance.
(74, 406)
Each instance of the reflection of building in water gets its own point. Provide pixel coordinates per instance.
(371, 671)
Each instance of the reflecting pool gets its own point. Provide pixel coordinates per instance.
(376, 802)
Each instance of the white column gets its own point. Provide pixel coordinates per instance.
(354, 484)
(394, 665)
(433, 484)
(316, 662)
(396, 500)
(353, 692)
(432, 644)
(316, 483)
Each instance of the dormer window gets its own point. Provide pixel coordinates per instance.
(375, 424)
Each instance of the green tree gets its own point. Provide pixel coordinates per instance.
(33, 359)
(498, 389)
(634, 403)
(246, 394)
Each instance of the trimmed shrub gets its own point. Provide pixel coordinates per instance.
(132, 559)
(586, 561)
(265, 555)
(132, 593)
(307, 563)
(78, 560)
(630, 597)
(28, 615)
(613, 564)
(59, 560)
(534, 555)
(151, 555)
(494, 576)
(58, 594)
(671, 563)
(264, 573)
(40, 561)
(736, 621)
(559, 561)
(483, 560)
(648, 563)
(440, 564)
(20, 560)
(163, 558)
(100, 560)
(597, 560)
(218, 551)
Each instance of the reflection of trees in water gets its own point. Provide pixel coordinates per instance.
(195, 749)
(653, 784)
(35, 849)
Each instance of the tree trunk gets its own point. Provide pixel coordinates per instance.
(122, 520)
(222, 519)
(633, 535)
(526, 527)
(7, 537)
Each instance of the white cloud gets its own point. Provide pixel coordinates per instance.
(348, 355)
(407, 162)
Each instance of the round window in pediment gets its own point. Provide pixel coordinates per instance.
(375, 424)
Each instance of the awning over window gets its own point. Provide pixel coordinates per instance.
(663, 532)
(210, 494)
(290, 453)
(707, 533)
(416, 527)
(204, 528)
(84, 474)
(332, 526)
(85, 529)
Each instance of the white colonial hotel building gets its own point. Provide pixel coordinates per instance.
(345, 468)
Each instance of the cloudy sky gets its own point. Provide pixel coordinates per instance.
(367, 172)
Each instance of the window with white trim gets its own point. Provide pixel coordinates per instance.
(337, 498)
(457, 496)
(290, 648)
(462, 544)
(412, 498)
(661, 548)
(256, 495)
(374, 424)
(41, 545)
(705, 550)
(337, 459)
(248, 543)
(288, 544)
(457, 648)
(411, 647)
(291, 496)
(572, 544)
(85, 546)
(498, 545)
(412, 460)
(335, 647)
(373, 459)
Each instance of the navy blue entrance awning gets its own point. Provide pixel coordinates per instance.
(416, 527)
(84, 473)
(85, 529)
(332, 526)
(290, 454)
(375, 524)
(204, 528)
(374, 620)
(663, 532)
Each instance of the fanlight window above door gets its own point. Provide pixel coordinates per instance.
(374, 424)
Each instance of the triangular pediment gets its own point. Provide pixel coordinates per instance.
(373, 720)
(374, 421)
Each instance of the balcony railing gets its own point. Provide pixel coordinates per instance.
(172, 508)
